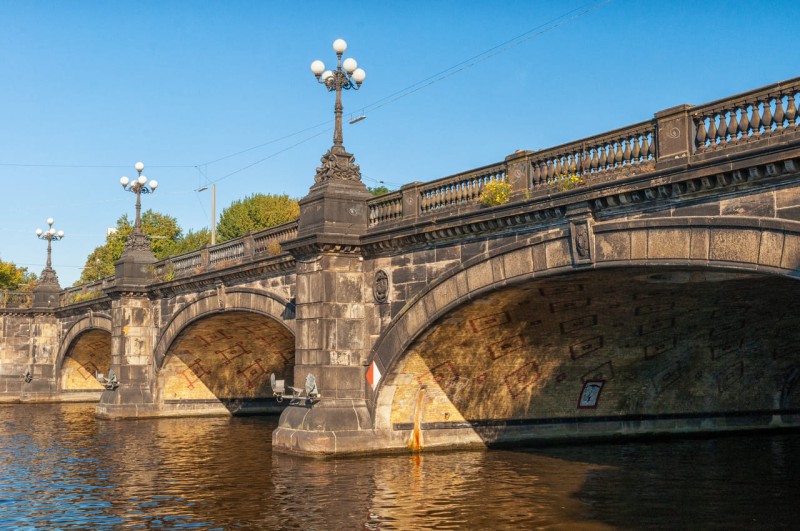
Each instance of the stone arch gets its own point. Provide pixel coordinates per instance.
(86, 325)
(747, 245)
(217, 354)
(244, 299)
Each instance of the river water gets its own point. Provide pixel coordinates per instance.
(61, 468)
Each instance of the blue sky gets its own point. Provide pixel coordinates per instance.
(90, 88)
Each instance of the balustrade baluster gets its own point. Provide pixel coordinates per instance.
(626, 153)
(779, 114)
(733, 125)
(722, 130)
(712, 130)
(618, 153)
(744, 122)
(573, 165)
(594, 162)
(635, 153)
(603, 158)
(536, 174)
(755, 119)
(766, 117)
(700, 138)
(791, 111)
(651, 149)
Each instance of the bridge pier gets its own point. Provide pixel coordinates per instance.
(332, 326)
(130, 394)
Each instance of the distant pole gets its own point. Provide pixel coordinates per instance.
(213, 213)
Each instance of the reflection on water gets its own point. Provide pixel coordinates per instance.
(60, 468)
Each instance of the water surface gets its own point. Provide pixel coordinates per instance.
(61, 468)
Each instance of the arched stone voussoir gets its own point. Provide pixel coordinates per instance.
(94, 321)
(239, 299)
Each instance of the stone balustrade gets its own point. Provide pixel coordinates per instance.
(747, 118)
(15, 299)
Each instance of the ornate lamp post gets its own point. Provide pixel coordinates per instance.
(48, 274)
(138, 240)
(337, 163)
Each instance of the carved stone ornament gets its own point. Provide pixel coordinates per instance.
(381, 286)
(582, 240)
(137, 241)
(338, 164)
(48, 277)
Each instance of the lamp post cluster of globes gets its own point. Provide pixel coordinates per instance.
(346, 76)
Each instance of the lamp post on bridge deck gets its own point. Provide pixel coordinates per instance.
(132, 267)
(46, 292)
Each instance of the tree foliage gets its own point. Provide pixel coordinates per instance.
(254, 213)
(166, 239)
(15, 278)
(378, 190)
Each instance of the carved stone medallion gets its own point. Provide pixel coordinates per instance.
(381, 287)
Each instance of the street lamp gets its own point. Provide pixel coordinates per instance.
(337, 163)
(50, 234)
(138, 239)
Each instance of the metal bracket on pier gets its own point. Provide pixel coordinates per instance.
(111, 383)
(311, 392)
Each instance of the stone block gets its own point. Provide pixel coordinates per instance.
(479, 275)
(638, 245)
(697, 209)
(558, 253)
(424, 257)
(668, 243)
(791, 252)
(612, 246)
(787, 197)
(472, 249)
(350, 334)
(403, 275)
(518, 263)
(349, 288)
(700, 242)
(448, 253)
(539, 257)
(753, 205)
(732, 245)
(771, 248)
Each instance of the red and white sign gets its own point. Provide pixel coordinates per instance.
(373, 375)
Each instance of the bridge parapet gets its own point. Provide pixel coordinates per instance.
(15, 299)
(747, 120)
(682, 135)
(84, 292)
(260, 244)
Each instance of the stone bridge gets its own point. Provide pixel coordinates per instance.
(642, 281)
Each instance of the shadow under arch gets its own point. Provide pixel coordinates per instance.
(84, 352)
(745, 254)
(222, 349)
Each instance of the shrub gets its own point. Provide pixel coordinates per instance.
(569, 181)
(495, 193)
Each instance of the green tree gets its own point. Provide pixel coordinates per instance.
(166, 239)
(15, 278)
(378, 190)
(256, 212)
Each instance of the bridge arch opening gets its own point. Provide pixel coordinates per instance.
(222, 362)
(84, 354)
(601, 352)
